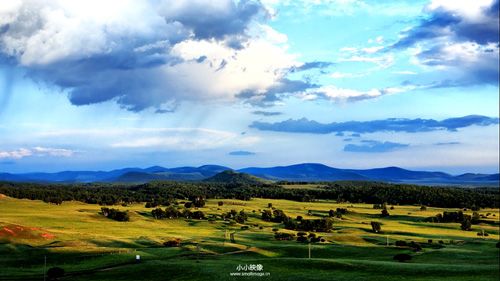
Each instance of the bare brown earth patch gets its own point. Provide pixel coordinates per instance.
(22, 232)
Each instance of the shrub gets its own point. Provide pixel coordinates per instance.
(401, 243)
(384, 213)
(54, 273)
(302, 239)
(402, 257)
(220, 203)
(429, 241)
(158, 213)
(269, 205)
(299, 218)
(245, 227)
(115, 214)
(475, 218)
(423, 208)
(283, 236)
(376, 227)
(275, 229)
(466, 225)
(198, 202)
(315, 239)
(199, 215)
(415, 246)
(267, 215)
(174, 242)
(342, 211)
(241, 217)
(188, 204)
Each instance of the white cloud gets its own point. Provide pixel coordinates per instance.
(36, 151)
(405, 72)
(226, 72)
(382, 62)
(58, 152)
(470, 10)
(146, 53)
(340, 75)
(342, 94)
(154, 138)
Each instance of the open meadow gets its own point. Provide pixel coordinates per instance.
(89, 246)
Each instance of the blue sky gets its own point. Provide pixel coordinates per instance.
(98, 85)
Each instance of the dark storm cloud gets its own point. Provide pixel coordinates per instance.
(217, 20)
(445, 23)
(476, 39)
(119, 59)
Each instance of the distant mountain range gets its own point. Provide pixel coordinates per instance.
(300, 172)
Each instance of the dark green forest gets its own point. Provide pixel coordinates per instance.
(163, 193)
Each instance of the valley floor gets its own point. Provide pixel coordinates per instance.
(88, 246)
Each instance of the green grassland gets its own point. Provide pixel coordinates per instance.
(88, 246)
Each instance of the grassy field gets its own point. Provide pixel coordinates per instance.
(88, 246)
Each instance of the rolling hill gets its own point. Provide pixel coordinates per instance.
(310, 172)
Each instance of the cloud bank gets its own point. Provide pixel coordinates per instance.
(372, 146)
(387, 125)
(144, 54)
(241, 153)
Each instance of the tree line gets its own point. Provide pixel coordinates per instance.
(163, 193)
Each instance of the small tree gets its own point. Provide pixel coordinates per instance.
(241, 217)
(423, 208)
(198, 215)
(198, 202)
(54, 273)
(475, 218)
(384, 213)
(376, 227)
(331, 213)
(402, 257)
(267, 215)
(466, 224)
(174, 242)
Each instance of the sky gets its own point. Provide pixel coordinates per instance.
(106, 84)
